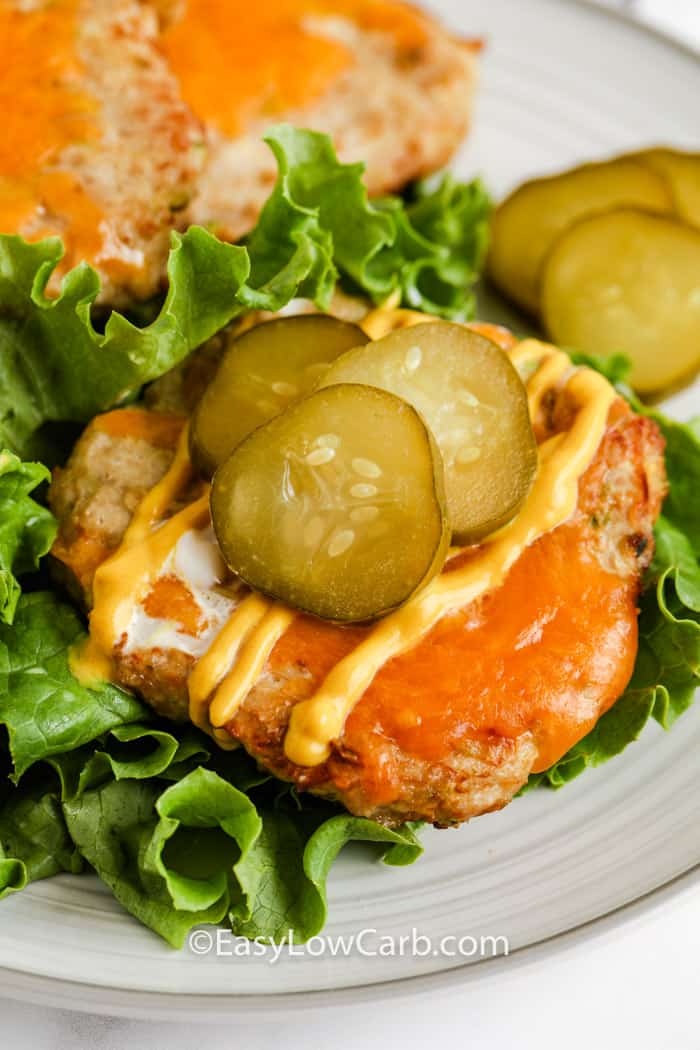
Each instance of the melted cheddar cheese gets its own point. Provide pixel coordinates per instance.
(239, 62)
(241, 649)
(43, 106)
(46, 111)
(40, 71)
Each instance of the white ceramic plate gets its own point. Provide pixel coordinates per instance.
(562, 83)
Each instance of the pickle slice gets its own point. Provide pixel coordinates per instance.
(682, 173)
(263, 371)
(526, 224)
(628, 282)
(475, 404)
(336, 506)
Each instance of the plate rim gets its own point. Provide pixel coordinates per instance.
(216, 1008)
(55, 992)
(649, 29)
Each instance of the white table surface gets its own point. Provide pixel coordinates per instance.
(637, 987)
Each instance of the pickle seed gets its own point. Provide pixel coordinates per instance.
(363, 491)
(263, 371)
(328, 441)
(283, 389)
(294, 531)
(467, 398)
(468, 454)
(413, 358)
(319, 456)
(341, 542)
(470, 396)
(366, 468)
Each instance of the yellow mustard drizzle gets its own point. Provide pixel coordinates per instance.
(317, 721)
(155, 503)
(225, 674)
(387, 318)
(213, 666)
(121, 581)
(251, 662)
(549, 374)
(91, 660)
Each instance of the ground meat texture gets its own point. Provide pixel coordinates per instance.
(407, 125)
(503, 687)
(118, 459)
(114, 158)
(119, 176)
(494, 692)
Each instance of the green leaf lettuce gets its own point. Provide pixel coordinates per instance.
(55, 365)
(201, 850)
(45, 710)
(27, 530)
(180, 833)
(667, 670)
